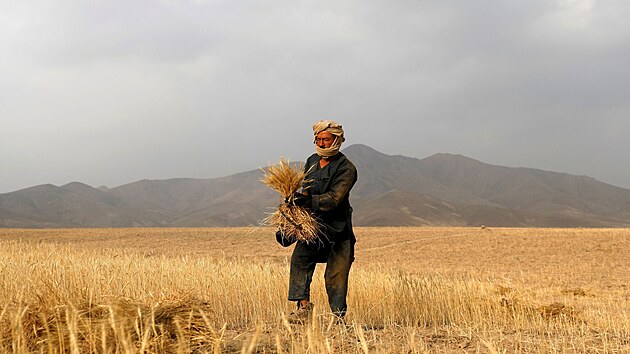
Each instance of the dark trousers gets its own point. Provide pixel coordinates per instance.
(338, 257)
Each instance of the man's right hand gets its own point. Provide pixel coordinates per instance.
(302, 200)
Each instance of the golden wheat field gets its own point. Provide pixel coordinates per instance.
(412, 290)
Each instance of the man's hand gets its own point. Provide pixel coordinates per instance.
(283, 240)
(302, 200)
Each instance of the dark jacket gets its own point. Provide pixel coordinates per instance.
(329, 188)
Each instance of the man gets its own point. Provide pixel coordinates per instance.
(330, 177)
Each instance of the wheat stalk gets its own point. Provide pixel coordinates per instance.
(284, 178)
(292, 221)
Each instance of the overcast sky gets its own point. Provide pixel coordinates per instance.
(108, 92)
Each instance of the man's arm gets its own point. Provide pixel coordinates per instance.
(342, 182)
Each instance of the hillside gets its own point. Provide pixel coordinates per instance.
(443, 189)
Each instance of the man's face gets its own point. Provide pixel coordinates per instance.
(324, 140)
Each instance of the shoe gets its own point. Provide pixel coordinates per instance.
(302, 314)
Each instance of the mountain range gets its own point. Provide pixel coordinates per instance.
(392, 190)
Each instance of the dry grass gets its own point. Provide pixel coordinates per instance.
(292, 221)
(223, 290)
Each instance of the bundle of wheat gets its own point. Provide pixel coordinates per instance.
(292, 221)
(284, 178)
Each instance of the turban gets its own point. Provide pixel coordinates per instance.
(333, 128)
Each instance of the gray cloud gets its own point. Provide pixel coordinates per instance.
(108, 92)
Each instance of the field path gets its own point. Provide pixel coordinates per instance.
(398, 244)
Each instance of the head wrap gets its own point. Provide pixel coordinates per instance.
(333, 128)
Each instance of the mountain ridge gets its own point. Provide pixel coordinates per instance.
(392, 190)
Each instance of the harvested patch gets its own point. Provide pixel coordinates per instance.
(574, 292)
(558, 310)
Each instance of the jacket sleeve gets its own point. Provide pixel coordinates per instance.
(284, 241)
(340, 186)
